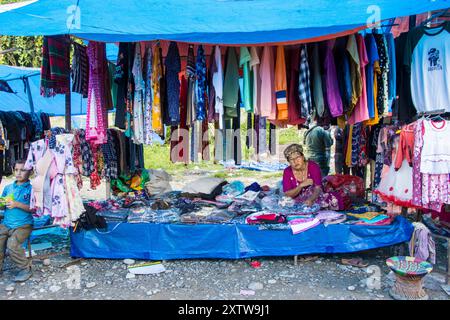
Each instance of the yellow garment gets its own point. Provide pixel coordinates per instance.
(281, 85)
(365, 215)
(341, 122)
(136, 182)
(156, 103)
(348, 155)
(375, 119)
(355, 71)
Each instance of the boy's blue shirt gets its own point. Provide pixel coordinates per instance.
(15, 218)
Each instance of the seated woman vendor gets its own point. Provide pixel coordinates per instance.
(302, 181)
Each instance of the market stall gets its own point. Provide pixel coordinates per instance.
(346, 73)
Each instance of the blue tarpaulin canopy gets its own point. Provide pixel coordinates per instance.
(18, 101)
(205, 21)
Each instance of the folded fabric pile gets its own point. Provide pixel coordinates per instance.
(119, 215)
(302, 224)
(328, 217)
(265, 217)
(143, 215)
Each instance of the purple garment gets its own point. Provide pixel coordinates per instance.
(330, 217)
(332, 88)
(422, 244)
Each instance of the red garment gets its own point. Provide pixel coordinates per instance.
(405, 146)
(183, 130)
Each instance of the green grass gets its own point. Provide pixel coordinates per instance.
(158, 157)
(289, 135)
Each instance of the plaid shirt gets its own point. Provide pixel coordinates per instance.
(304, 86)
(86, 155)
(110, 156)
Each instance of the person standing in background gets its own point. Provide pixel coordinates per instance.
(318, 144)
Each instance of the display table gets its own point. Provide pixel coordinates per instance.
(150, 241)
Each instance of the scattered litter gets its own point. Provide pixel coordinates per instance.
(247, 292)
(256, 286)
(90, 285)
(71, 263)
(128, 261)
(54, 289)
(255, 264)
(351, 288)
(130, 276)
(446, 288)
(147, 268)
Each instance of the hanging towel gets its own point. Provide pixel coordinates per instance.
(422, 245)
(304, 84)
(55, 68)
(281, 85)
(217, 80)
(355, 71)
(332, 90)
(173, 67)
(231, 84)
(267, 92)
(80, 70)
(156, 103)
(319, 104)
(200, 70)
(190, 76)
(244, 62)
(255, 80)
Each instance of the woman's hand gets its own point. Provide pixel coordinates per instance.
(307, 183)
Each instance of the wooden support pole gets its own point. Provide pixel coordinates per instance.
(68, 111)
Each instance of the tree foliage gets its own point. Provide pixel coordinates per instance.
(28, 53)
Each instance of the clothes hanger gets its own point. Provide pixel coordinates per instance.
(441, 14)
(437, 117)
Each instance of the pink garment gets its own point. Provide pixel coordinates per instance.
(328, 200)
(361, 112)
(403, 24)
(333, 96)
(430, 191)
(290, 182)
(55, 201)
(96, 119)
(268, 103)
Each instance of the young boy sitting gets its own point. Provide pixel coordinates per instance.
(18, 221)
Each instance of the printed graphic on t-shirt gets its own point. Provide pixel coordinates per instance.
(434, 60)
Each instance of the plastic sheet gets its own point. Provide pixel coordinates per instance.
(230, 241)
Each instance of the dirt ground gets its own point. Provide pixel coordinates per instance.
(211, 279)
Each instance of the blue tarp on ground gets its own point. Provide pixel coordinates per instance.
(204, 21)
(230, 241)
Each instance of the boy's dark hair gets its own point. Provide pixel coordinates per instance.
(20, 161)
